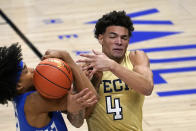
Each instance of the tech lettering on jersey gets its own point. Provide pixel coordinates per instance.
(115, 85)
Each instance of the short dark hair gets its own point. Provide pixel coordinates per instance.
(9, 60)
(113, 18)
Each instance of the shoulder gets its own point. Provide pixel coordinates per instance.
(36, 103)
(137, 53)
(33, 102)
(39, 104)
(139, 57)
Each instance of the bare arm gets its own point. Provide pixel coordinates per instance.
(36, 106)
(76, 119)
(87, 95)
(140, 78)
(80, 79)
(96, 81)
(71, 102)
(81, 82)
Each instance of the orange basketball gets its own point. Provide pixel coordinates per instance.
(52, 78)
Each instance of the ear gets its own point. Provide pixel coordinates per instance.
(19, 86)
(100, 39)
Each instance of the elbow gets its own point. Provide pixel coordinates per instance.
(149, 90)
(148, 93)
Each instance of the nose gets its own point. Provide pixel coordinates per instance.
(118, 41)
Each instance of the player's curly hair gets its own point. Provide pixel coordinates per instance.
(113, 18)
(9, 60)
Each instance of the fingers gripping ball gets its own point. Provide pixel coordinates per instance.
(52, 78)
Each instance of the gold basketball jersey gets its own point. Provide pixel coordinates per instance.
(119, 107)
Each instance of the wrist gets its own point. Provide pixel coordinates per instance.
(76, 112)
(67, 58)
(112, 66)
(74, 66)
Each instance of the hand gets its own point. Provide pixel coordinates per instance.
(80, 101)
(96, 62)
(64, 55)
(85, 70)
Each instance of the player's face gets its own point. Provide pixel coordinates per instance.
(26, 78)
(114, 42)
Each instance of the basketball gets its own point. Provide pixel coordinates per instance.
(52, 78)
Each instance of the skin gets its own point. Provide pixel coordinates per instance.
(37, 108)
(114, 42)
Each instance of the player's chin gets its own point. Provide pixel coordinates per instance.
(118, 56)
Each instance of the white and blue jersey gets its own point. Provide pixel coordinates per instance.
(56, 124)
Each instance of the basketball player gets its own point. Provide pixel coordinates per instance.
(32, 111)
(126, 79)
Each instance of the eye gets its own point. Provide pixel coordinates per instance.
(112, 36)
(124, 38)
(25, 70)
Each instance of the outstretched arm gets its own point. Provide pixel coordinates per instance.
(140, 78)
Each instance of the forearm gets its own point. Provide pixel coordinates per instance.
(96, 80)
(80, 79)
(133, 79)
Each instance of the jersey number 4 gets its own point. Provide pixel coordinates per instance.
(116, 109)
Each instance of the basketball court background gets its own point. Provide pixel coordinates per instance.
(164, 29)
